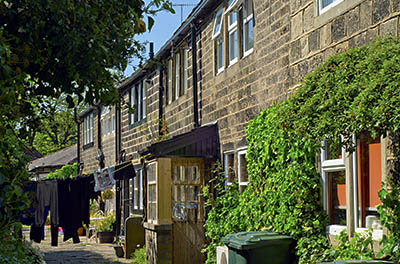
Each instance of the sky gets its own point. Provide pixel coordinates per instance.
(165, 25)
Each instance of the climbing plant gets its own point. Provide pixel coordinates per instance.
(351, 93)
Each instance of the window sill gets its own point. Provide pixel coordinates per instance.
(233, 62)
(219, 71)
(137, 123)
(335, 230)
(247, 53)
(333, 12)
(88, 145)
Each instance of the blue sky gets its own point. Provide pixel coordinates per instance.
(164, 26)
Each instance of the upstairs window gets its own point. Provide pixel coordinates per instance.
(325, 5)
(88, 129)
(137, 99)
(232, 37)
(185, 70)
(218, 42)
(107, 120)
(248, 25)
(177, 75)
(235, 24)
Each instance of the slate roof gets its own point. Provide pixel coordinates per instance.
(57, 159)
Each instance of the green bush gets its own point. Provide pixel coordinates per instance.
(106, 224)
(139, 256)
(66, 171)
(17, 251)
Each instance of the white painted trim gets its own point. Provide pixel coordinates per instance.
(323, 10)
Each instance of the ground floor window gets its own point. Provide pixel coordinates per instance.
(366, 175)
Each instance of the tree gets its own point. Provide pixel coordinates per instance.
(56, 128)
(54, 48)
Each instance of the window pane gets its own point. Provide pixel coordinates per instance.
(177, 76)
(333, 148)
(232, 18)
(229, 167)
(248, 8)
(243, 168)
(217, 22)
(337, 195)
(185, 66)
(232, 45)
(151, 172)
(248, 35)
(220, 53)
(143, 100)
(325, 3)
(141, 189)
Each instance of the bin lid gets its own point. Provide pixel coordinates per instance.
(250, 240)
(362, 261)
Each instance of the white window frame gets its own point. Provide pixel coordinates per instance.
(177, 65)
(241, 153)
(185, 69)
(219, 55)
(247, 19)
(169, 81)
(88, 129)
(322, 10)
(140, 100)
(226, 165)
(339, 165)
(217, 22)
(233, 33)
(144, 100)
(138, 188)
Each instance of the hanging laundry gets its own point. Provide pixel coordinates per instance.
(47, 195)
(74, 197)
(104, 179)
(124, 171)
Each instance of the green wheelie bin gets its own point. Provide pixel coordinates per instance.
(258, 248)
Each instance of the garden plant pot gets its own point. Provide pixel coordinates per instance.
(106, 237)
(119, 251)
(81, 231)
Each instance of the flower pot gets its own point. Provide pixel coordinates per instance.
(81, 231)
(119, 251)
(105, 237)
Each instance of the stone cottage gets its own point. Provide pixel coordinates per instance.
(192, 100)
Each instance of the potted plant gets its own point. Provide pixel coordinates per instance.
(105, 230)
(120, 248)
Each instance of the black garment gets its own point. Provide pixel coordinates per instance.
(54, 235)
(124, 171)
(74, 195)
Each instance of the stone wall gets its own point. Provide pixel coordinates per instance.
(89, 154)
(351, 23)
(159, 244)
(145, 132)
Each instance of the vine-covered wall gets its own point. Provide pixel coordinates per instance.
(353, 92)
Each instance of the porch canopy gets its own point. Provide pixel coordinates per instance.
(202, 141)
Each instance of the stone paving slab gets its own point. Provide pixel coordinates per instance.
(85, 252)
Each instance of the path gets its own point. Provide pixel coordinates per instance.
(85, 252)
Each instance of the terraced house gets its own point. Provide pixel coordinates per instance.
(192, 100)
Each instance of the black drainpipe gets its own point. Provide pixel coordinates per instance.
(78, 133)
(118, 160)
(194, 69)
(160, 99)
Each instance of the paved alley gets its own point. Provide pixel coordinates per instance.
(87, 251)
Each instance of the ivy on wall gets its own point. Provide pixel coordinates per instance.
(354, 92)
